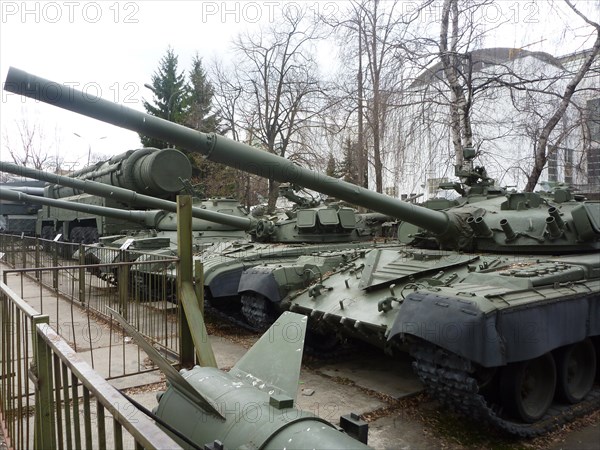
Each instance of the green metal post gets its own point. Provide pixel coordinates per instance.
(41, 374)
(193, 330)
(123, 271)
(184, 273)
(55, 264)
(81, 274)
(37, 257)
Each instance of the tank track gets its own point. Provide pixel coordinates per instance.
(447, 377)
(258, 317)
(256, 312)
(235, 319)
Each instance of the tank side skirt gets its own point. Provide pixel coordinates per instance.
(493, 340)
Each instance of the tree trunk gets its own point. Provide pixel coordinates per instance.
(273, 196)
(460, 123)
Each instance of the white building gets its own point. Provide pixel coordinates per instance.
(514, 92)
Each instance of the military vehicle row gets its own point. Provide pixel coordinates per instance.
(327, 234)
(497, 298)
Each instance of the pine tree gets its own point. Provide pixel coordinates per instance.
(199, 102)
(349, 167)
(332, 169)
(214, 180)
(171, 94)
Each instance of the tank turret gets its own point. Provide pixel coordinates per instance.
(495, 297)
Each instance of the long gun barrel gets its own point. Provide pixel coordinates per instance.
(38, 191)
(221, 150)
(146, 217)
(125, 195)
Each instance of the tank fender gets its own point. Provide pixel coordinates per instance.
(451, 323)
(260, 280)
(500, 337)
(225, 283)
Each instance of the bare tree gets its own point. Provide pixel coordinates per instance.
(30, 146)
(499, 100)
(460, 104)
(372, 34)
(543, 145)
(277, 86)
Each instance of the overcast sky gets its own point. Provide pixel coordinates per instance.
(111, 48)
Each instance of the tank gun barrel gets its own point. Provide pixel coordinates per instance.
(221, 150)
(146, 217)
(124, 195)
(39, 191)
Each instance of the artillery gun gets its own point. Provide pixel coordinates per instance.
(147, 171)
(497, 298)
(15, 217)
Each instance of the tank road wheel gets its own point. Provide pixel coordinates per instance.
(576, 369)
(527, 387)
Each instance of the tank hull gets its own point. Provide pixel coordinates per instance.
(465, 316)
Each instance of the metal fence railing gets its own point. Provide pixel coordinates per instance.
(141, 286)
(17, 320)
(50, 398)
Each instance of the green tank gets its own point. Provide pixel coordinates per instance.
(152, 232)
(145, 173)
(497, 297)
